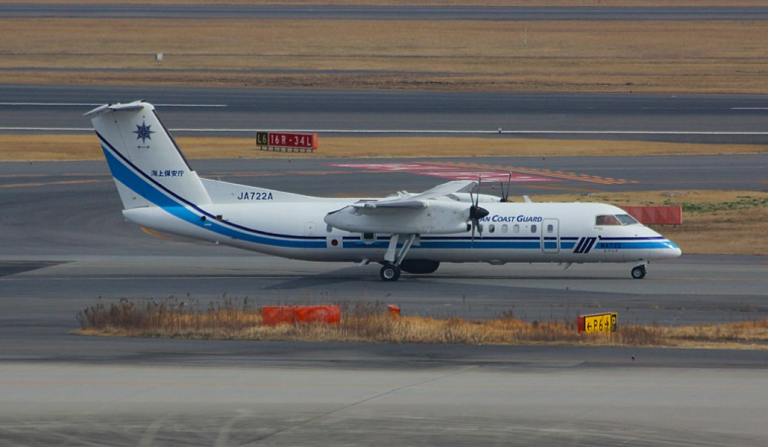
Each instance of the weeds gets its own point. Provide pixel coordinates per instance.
(235, 319)
(741, 204)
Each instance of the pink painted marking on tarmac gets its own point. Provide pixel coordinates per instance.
(448, 172)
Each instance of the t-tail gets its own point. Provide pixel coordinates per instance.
(148, 167)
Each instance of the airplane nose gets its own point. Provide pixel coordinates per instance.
(673, 251)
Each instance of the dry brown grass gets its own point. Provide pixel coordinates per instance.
(600, 56)
(231, 319)
(86, 147)
(707, 217)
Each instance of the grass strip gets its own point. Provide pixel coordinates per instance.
(15, 147)
(451, 55)
(370, 323)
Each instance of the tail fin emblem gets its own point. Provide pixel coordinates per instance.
(143, 132)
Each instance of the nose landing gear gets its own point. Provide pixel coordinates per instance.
(639, 272)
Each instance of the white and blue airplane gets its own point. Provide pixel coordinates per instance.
(403, 232)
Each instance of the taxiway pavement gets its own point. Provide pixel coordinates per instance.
(727, 119)
(378, 13)
(64, 246)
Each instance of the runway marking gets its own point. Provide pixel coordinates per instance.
(49, 175)
(556, 188)
(67, 182)
(87, 104)
(453, 172)
(749, 108)
(544, 172)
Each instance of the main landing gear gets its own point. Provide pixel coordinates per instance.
(390, 272)
(392, 259)
(639, 272)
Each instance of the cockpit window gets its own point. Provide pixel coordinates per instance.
(619, 219)
(607, 220)
(626, 219)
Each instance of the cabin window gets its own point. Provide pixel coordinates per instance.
(504, 228)
(491, 228)
(516, 229)
(626, 219)
(550, 228)
(369, 237)
(533, 228)
(607, 220)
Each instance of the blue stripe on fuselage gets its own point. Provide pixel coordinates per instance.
(179, 208)
(131, 180)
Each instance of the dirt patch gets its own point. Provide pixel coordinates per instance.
(86, 147)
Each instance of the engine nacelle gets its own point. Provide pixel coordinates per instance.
(443, 218)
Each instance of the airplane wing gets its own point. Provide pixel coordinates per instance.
(408, 214)
(420, 200)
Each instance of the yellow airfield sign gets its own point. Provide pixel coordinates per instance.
(605, 322)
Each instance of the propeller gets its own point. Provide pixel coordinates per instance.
(505, 194)
(476, 212)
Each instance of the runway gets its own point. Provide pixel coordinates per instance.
(378, 13)
(64, 246)
(404, 405)
(64, 237)
(724, 119)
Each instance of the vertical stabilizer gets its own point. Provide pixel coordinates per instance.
(148, 167)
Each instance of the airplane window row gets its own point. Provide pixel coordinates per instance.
(515, 228)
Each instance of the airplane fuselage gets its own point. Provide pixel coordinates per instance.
(413, 232)
(512, 232)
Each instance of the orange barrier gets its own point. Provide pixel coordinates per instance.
(274, 315)
(394, 310)
(656, 215)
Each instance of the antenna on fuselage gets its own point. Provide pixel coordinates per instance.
(505, 194)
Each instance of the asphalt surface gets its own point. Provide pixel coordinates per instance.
(381, 12)
(727, 119)
(515, 405)
(64, 246)
(64, 236)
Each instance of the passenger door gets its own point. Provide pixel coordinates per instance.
(550, 236)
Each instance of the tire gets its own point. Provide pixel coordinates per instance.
(638, 272)
(390, 273)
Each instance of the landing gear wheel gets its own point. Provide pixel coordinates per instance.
(638, 272)
(390, 272)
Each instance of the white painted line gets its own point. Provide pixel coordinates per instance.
(469, 132)
(47, 129)
(487, 132)
(85, 104)
(749, 108)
